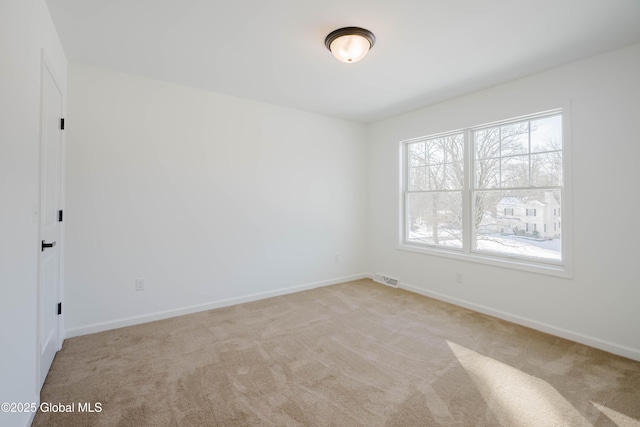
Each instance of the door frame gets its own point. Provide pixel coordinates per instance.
(47, 67)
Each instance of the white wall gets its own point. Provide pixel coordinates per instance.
(214, 199)
(599, 306)
(25, 28)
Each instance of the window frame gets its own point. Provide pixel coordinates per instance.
(562, 268)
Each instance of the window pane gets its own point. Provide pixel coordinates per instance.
(436, 149)
(546, 134)
(514, 139)
(435, 177)
(454, 176)
(455, 148)
(443, 157)
(502, 226)
(435, 218)
(487, 143)
(417, 179)
(417, 154)
(515, 172)
(487, 173)
(546, 169)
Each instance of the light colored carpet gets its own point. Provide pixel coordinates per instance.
(352, 354)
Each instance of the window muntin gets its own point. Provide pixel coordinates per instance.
(510, 205)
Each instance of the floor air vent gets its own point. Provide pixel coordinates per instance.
(386, 280)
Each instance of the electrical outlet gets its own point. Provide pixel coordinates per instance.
(458, 277)
(141, 283)
(336, 257)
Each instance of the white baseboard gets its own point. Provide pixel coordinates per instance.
(136, 320)
(610, 347)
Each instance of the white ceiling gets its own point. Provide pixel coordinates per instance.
(273, 50)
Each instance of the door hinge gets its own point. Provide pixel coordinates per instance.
(59, 308)
(60, 216)
(62, 124)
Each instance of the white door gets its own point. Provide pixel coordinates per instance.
(50, 205)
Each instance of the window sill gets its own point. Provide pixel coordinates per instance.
(514, 264)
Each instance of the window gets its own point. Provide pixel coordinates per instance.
(476, 192)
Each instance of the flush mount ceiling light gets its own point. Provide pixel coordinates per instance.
(350, 44)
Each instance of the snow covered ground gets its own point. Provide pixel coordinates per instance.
(519, 246)
(508, 245)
